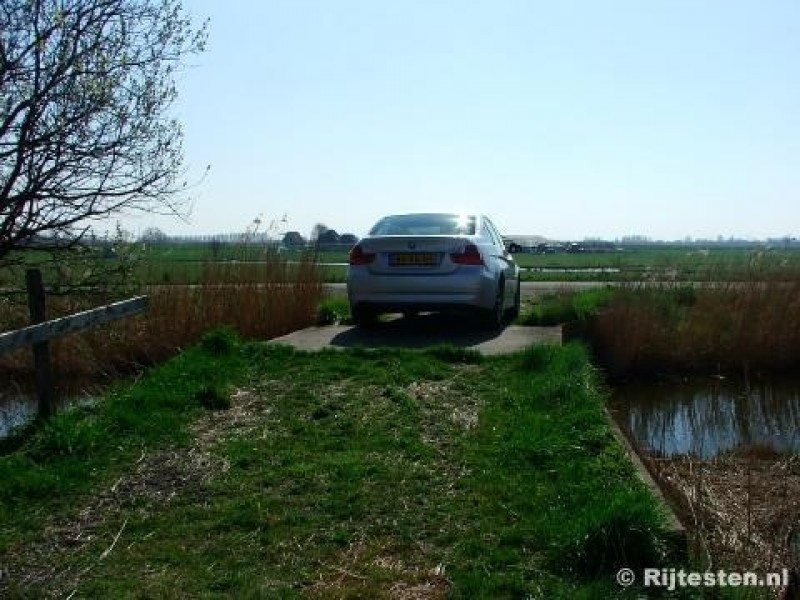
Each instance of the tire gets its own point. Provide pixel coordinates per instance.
(494, 318)
(513, 312)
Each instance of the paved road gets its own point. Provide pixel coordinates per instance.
(431, 329)
(423, 331)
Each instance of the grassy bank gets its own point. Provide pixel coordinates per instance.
(739, 506)
(342, 474)
(565, 307)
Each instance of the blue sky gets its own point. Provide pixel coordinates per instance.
(564, 119)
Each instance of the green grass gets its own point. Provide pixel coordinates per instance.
(83, 447)
(554, 309)
(182, 263)
(160, 264)
(360, 474)
(179, 264)
(657, 263)
(333, 310)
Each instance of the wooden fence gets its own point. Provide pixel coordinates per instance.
(39, 333)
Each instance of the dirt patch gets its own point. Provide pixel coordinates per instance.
(449, 404)
(369, 569)
(153, 481)
(740, 508)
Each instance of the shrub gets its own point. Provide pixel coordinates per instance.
(621, 534)
(220, 342)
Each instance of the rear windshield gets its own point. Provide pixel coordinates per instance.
(425, 225)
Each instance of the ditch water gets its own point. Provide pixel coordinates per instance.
(16, 409)
(18, 406)
(708, 416)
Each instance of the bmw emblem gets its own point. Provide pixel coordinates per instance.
(411, 245)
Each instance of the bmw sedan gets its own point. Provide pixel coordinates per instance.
(433, 262)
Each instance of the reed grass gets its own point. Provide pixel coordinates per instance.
(704, 327)
(258, 300)
(739, 506)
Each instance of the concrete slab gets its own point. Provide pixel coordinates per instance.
(421, 332)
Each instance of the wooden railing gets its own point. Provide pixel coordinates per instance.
(39, 333)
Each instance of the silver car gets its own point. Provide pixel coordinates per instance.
(433, 262)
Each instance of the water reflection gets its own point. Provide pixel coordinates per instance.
(18, 405)
(16, 409)
(706, 417)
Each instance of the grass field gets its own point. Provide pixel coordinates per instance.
(175, 264)
(391, 474)
(165, 264)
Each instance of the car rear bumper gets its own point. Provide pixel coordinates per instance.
(467, 288)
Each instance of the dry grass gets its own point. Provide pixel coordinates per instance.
(706, 327)
(259, 300)
(740, 507)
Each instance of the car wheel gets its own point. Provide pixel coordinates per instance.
(363, 316)
(494, 318)
(513, 312)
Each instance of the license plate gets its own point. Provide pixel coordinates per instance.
(413, 259)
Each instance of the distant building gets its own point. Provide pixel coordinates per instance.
(348, 239)
(328, 237)
(292, 239)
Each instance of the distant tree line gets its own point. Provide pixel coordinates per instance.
(322, 238)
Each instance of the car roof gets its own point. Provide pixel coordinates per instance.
(433, 214)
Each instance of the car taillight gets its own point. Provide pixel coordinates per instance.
(470, 256)
(359, 257)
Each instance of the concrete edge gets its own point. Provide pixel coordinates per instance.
(677, 536)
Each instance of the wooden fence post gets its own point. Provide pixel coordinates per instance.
(40, 331)
(41, 350)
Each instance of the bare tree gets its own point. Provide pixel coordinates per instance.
(85, 129)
